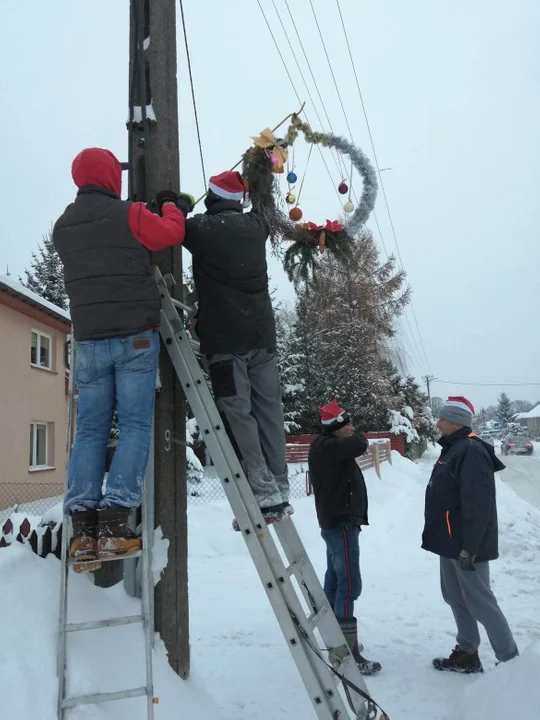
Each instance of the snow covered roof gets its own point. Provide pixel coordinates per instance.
(19, 291)
(534, 413)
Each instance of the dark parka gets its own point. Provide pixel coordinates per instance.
(461, 506)
(229, 268)
(338, 483)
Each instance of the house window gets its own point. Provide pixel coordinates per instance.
(39, 445)
(41, 350)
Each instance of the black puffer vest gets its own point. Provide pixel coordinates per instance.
(107, 271)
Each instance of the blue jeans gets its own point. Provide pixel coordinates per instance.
(121, 371)
(342, 581)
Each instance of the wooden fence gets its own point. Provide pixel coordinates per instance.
(43, 540)
(377, 453)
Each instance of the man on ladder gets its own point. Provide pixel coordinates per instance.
(236, 328)
(115, 310)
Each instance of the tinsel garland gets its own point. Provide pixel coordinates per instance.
(300, 259)
(359, 160)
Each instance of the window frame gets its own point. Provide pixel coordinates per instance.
(39, 334)
(33, 439)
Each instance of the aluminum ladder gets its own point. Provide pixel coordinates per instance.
(147, 589)
(329, 700)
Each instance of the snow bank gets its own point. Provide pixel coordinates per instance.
(512, 690)
(236, 641)
(99, 660)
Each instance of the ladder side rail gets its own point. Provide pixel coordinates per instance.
(62, 615)
(147, 580)
(318, 681)
(327, 624)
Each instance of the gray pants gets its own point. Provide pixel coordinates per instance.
(248, 395)
(472, 601)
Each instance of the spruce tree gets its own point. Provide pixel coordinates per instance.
(46, 274)
(505, 410)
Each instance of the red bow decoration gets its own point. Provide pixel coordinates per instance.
(316, 228)
(333, 226)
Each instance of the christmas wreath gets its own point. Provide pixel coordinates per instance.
(266, 160)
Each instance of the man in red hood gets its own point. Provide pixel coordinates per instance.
(103, 242)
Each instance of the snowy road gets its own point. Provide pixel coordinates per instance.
(522, 474)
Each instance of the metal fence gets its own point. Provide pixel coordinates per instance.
(36, 499)
(30, 499)
(209, 488)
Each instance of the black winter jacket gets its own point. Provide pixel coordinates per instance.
(338, 483)
(461, 505)
(235, 313)
(107, 271)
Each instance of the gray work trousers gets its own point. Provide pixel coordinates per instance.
(247, 392)
(472, 601)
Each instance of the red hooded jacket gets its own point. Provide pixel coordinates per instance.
(95, 166)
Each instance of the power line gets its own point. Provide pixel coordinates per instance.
(416, 349)
(294, 89)
(511, 384)
(302, 75)
(196, 114)
(381, 181)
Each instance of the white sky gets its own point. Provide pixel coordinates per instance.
(451, 89)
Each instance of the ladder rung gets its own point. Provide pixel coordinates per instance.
(111, 622)
(293, 567)
(182, 306)
(129, 556)
(314, 618)
(104, 697)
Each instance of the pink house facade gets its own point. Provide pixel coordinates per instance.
(33, 395)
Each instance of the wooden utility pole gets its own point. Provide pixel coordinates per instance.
(429, 379)
(154, 166)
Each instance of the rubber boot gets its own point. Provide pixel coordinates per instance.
(350, 631)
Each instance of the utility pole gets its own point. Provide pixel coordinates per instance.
(429, 379)
(154, 166)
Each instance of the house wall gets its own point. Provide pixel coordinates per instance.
(29, 394)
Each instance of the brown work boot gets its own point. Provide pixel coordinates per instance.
(115, 537)
(459, 661)
(83, 546)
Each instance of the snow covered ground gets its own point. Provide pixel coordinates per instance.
(241, 667)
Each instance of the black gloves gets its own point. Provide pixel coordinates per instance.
(185, 203)
(166, 196)
(467, 560)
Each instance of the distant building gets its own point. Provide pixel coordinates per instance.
(532, 420)
(33, 392)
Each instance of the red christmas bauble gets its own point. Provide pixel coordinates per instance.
(295, 214)
(343, 188)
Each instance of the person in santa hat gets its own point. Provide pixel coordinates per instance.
(461, 527)
(236, 328)
(341, 503)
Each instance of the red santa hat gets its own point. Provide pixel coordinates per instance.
(458, 410)
(333, 417)
(228, 185)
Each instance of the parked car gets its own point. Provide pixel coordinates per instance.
(517, 444)
(487, 438)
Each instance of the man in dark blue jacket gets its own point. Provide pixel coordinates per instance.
(342, 508)
(461, 527)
